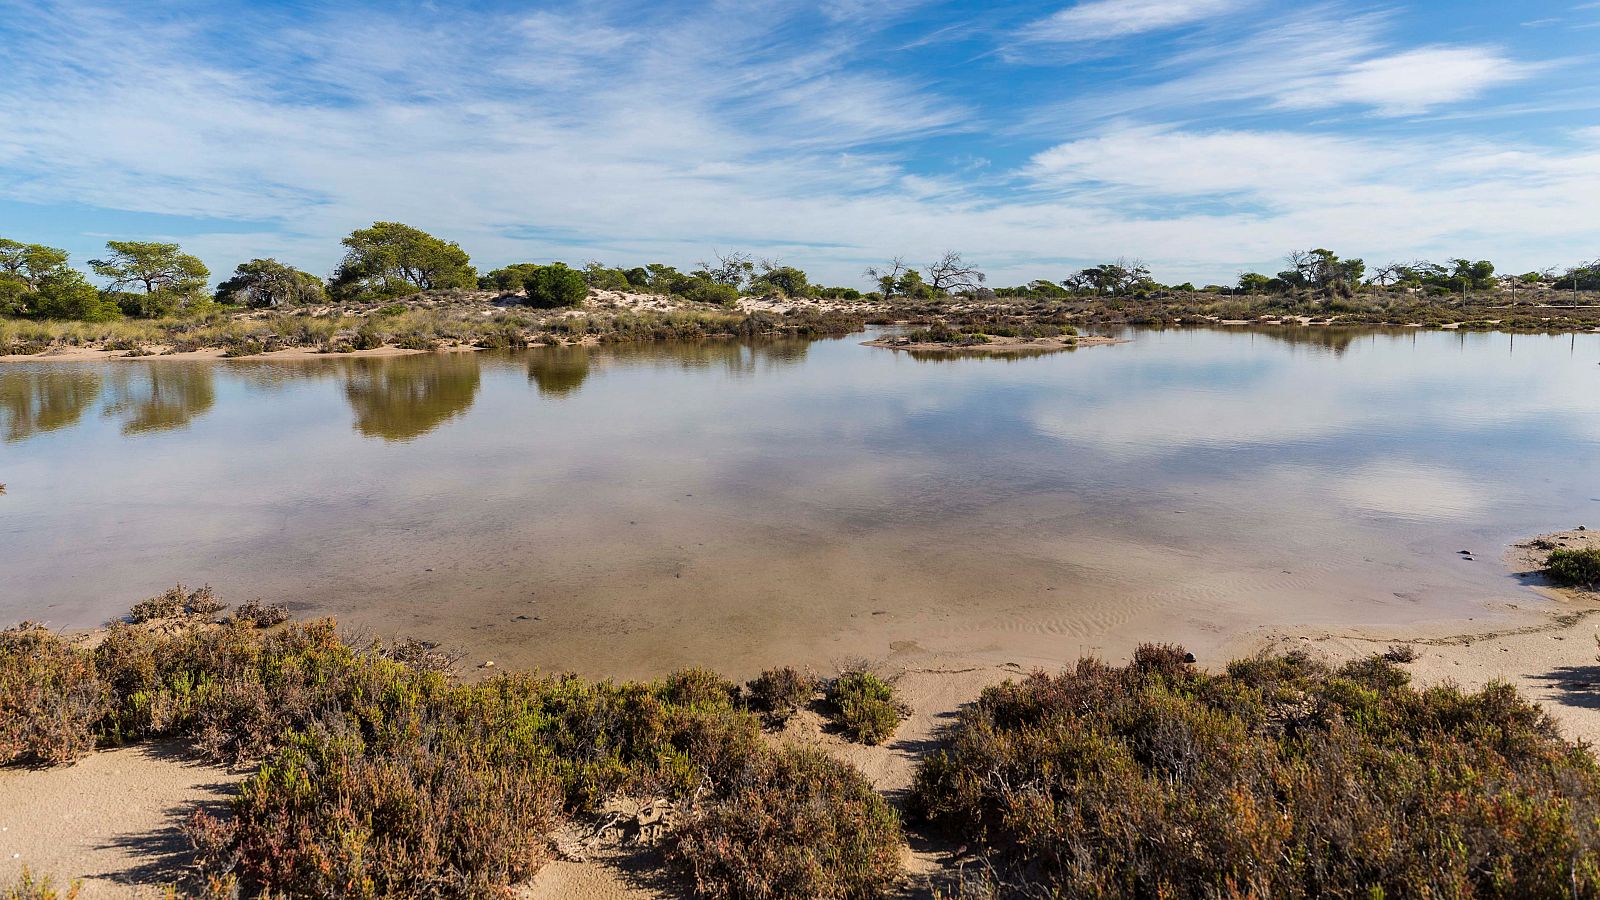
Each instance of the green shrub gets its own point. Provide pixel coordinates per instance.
(792, 823)
(50, 697)
(865, 707)
(555, 285)
(1574, 567)
(1280, 778)
(779, 693)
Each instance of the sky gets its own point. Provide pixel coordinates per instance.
(1204, 137)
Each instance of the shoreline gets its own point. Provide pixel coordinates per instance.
(114, 805)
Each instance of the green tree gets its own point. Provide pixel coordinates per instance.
(786, 281)
(391, 259)
(555, 285)
(67, 295)
(508, 279)
(268, 284)
(170, 278)
(29, 263)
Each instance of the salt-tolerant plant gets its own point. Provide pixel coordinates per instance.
(865, 707)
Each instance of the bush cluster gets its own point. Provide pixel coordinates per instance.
(791, 823)
(1280, 778)
(381, 775)
(865, 707)
(777, 694)
(1578, 568)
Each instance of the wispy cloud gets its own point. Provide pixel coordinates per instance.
(1093, 20)
(1408, 82)
(834, 137)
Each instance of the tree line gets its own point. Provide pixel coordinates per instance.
(149, 279)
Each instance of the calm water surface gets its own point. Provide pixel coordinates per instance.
(627, 511)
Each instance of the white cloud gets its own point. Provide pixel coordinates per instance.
(1093, 20)
(638, 145)
(1410, 82)
(1265, 163)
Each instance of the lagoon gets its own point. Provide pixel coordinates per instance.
(623, 511)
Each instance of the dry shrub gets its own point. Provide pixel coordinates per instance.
(175, 602)
(779, 693)
(423, 655)
(1280, 778)
(418, 809)
(792, 823)
(29, 887)
(50, 697)
(261, 615)
(865, 707)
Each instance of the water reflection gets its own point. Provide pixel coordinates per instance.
(737, 358)
(35, 401)
(161, 396)
(558, 371)
(405, 397)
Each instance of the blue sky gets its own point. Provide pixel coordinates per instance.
(1204, 136)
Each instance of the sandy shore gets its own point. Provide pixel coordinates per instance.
(95, 354)
(111, 819)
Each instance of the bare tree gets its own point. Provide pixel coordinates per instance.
(1389, 273)
(888, 277)
(951, 274)
(734, 267)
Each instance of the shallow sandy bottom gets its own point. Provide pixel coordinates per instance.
(111, 819)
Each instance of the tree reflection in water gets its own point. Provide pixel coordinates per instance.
(34, 401)
(558, 371)
(161, 396)
(401, 398)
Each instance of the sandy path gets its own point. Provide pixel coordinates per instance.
(111, 819)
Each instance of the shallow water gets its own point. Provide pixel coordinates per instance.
(628, 511)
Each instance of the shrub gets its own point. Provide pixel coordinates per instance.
(261, 615)
(27, 887)
(779, 693)
(792, 823)
(555, 285)
(174, 602)
(865, 707)
(418, 808)
(1280, 778)
(1580, 568)
(166, 605)
(50, 697)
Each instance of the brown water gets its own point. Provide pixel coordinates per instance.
(628, 511)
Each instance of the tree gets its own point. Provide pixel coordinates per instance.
(170, 278)
(1254, 283)
(555, 285)
(786, 281)
(1125, 276)
(510, 279)
(269, 284)
(734, 269)
(950, 274)
(67, 295)
(888, 278)
(391, 259)
(1390, 273)
(29, 263)
(1322, 270)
